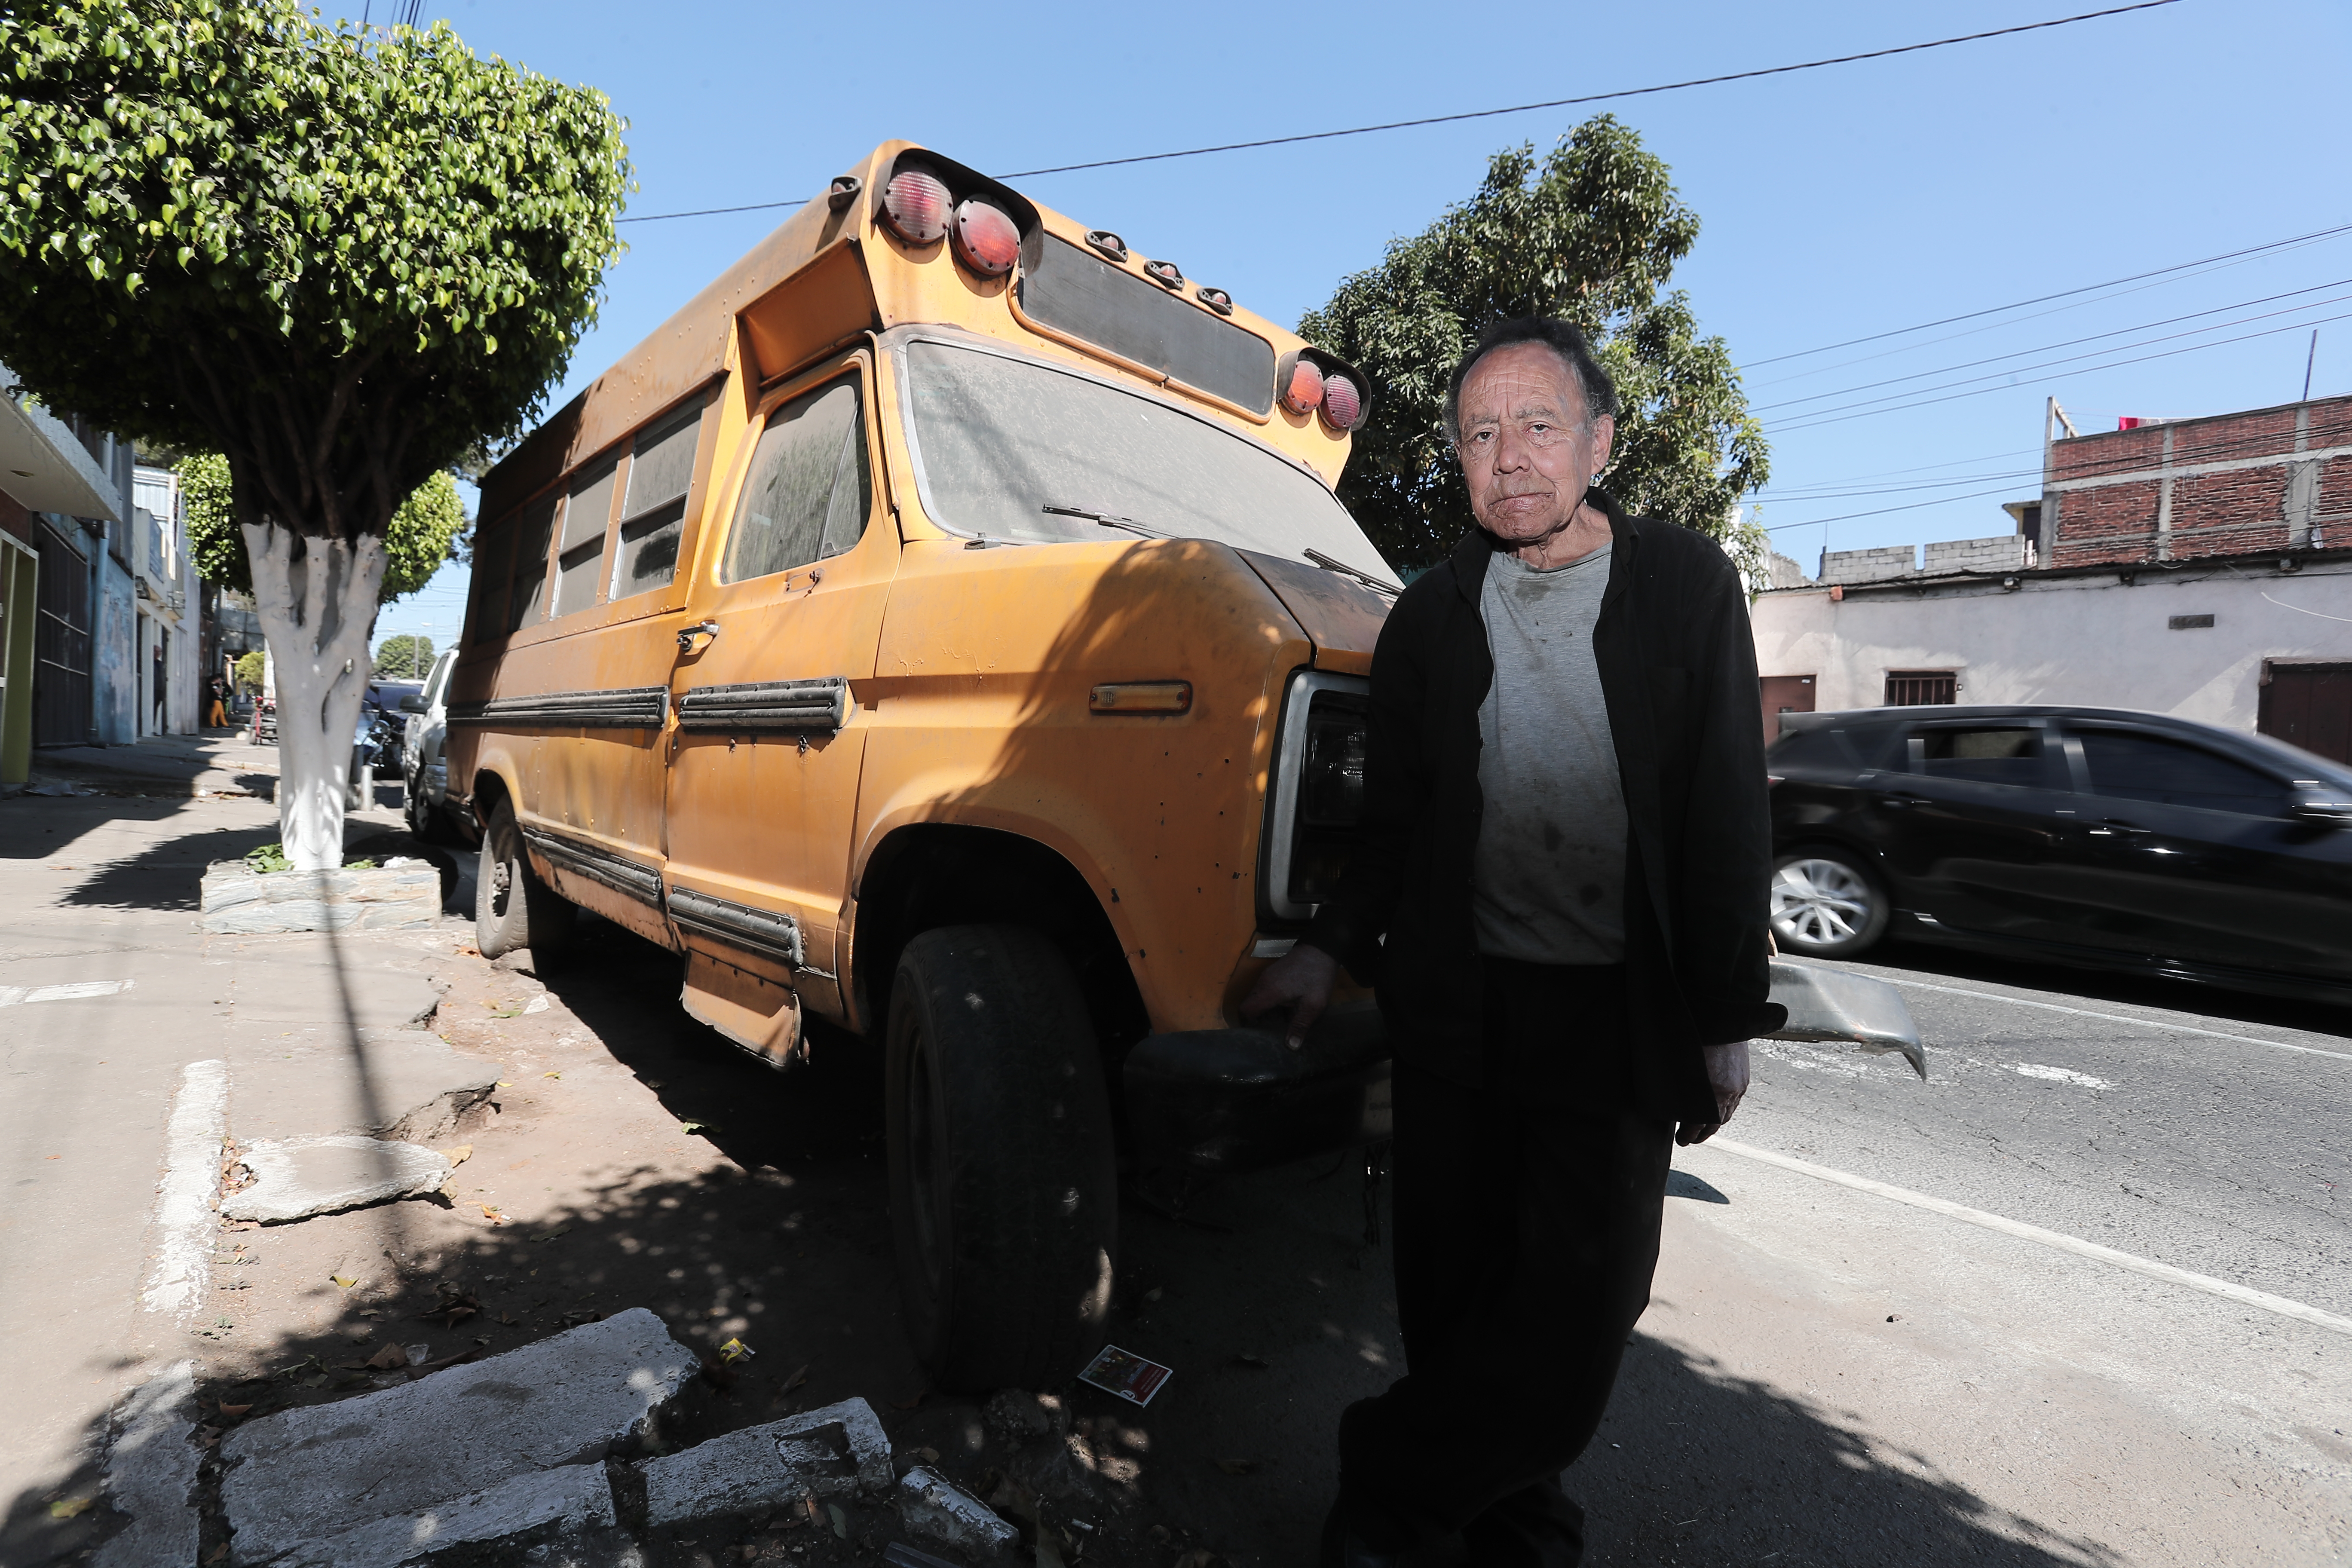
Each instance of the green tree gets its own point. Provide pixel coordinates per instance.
(250, 669)
(1590, 235)
(425, 529)
(404, 658)
(340, 259)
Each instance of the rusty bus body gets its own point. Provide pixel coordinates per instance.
(787, 651)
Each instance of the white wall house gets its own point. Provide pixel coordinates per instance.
(2196, 638)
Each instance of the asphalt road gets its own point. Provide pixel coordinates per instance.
(2209, 1130)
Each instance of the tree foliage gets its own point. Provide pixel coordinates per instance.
(425, 529)
(1590, 235)
(340, 259)
(250, 667)
(404, 658)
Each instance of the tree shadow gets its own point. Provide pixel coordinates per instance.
(1264, 1297)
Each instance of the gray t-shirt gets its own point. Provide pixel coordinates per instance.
(1547, 886)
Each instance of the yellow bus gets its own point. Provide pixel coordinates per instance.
(944, 626)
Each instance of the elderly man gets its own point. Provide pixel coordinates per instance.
(1560, 897)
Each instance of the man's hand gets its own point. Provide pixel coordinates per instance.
(1301, 980)
(1727, 1074)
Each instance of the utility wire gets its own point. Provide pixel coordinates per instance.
(1838, 415)
(1488, 113)
(2067, 343)
(2044, 299)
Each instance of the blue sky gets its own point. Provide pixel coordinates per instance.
(1835, 204)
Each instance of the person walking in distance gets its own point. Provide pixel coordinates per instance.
(1559, 895)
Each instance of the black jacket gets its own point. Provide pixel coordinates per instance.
(1677, 667)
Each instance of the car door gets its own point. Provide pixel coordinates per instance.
(763, 772)
(1976, 816)
(2193, 855)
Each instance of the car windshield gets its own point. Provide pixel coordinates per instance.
(1015, 449)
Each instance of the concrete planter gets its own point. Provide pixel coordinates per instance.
(239, 900)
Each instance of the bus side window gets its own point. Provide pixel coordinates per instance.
(493, 555)
(531, 533)
(653, 512)
(580, 555)
(808, 490)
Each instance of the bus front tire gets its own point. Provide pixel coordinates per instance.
(1003, 1183)
(513, 908)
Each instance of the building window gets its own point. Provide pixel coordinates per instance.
(1920, 688)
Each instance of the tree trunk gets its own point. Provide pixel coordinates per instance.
(316, 599)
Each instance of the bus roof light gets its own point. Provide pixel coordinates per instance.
(1303, 389)
(986, 237)
(916, 205)
(1343, 405)
(1106, 242)
(1217, 299)
(1166, 274)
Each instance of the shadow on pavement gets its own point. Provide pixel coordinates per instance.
(1264, 1297)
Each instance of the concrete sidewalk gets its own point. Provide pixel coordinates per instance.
(218, 762)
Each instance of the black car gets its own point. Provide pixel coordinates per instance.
(2080, 836)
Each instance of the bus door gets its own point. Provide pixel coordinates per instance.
(762, 777)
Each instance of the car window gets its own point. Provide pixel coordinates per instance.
(2126, 765)
(1990, 754)
(809, 491)
(1827, 750)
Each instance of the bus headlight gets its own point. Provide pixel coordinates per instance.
(1317, 803)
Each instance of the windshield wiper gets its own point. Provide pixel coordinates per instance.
(1374, 584)
(1106, 519)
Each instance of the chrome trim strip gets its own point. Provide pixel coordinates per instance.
(599, 865)
(1282, 800)
(762, 931)
(631, 708)
(820, 704)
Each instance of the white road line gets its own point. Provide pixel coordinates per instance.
(183, 1207)
(2064, 1243)
(17, 996)
(2117, 1018)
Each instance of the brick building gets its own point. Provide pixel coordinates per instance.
(2198, 567)
(2266, 482)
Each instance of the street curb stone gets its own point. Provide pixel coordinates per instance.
(578, 1497)
(769, 1466)
(932, 1505)
(296, 1178)
(239, 900)
(325, 1469)
(151, 1472)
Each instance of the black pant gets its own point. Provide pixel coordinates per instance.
(1526, 1232)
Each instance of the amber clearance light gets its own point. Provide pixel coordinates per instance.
(1141, 696)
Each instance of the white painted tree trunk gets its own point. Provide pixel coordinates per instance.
(316, 599)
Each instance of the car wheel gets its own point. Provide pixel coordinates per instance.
(428, 821)
(1824, 905)
(1003, 1185)
(513, 908)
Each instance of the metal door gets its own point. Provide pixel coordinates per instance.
(2308, 705)
(763, 784)
(1784, 694)
(61, 644)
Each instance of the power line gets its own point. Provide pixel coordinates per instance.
(1487, 113)
(2068, 343)
(2044, 299)
(1834, 417)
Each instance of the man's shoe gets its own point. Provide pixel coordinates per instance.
(1342, 1550)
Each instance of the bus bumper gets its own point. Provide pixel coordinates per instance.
(1221, 1101)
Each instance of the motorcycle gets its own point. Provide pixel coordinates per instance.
(265, 721)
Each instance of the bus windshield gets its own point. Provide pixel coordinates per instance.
(1016, 449)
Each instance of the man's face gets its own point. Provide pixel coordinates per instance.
(1526, 447)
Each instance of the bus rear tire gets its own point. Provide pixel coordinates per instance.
(1003, 1183)
(514, 909)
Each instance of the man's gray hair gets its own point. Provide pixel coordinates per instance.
(1600, 392)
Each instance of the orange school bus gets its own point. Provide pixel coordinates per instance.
(944, 625)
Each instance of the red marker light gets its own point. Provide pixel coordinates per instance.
(915, 204)
(986, 238)
(1341, 403)
(1304, 391)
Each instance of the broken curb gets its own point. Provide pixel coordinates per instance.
(295, 1178)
